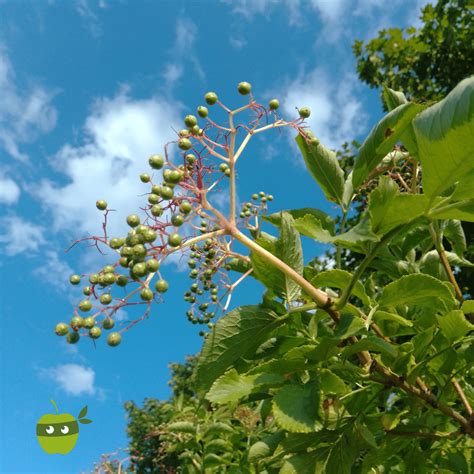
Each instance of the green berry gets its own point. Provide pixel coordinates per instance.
(211, 98)
(72, 337)
(185, 207)
(202, 111)
(106, 298)
(174, 240)
(167, 192)
(156, 162)
(115, 243)
(152, 265)
(61, 329)
(161, 286)
(101, 205)
(108, 323)
(145, 178)
(93, 279)
(85, 306)
(95, 332)
(139, 251)
(304, 112)
(223, 167)
(133, 220)
(109, 278)
(108, 269)
(149, 235)
(273, 104)
(153, 199)
(185, 144)
(254, 197)
(77, 322)
(155, 189)
(87, 290)
(146, 294)
(244, 88)
(156, 210)
(177, 220)
(190, 120)
(124, 262)
(89, 322)
(122, 280)
(184, 133)
(139, 269)
(191, 159)
(75, 279)
(114, 339)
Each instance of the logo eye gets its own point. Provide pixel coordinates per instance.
(65, 429)
(50, 429)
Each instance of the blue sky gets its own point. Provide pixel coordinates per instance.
(90, 89)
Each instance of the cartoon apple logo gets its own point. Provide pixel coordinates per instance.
(57, 434)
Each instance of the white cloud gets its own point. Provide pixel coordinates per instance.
(237, 42)
(54, 271)
(119, 136)
(182, 51)
(74, 379)
(90, 18)
(18, 235)
(23, 115)
(251, 8)
(9, 190)
(330, 10)
(336, 113)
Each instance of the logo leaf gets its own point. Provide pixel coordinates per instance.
(85, 421)
(83, 412)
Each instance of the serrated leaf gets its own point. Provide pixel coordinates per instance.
(354, 239)
(332, 383)
(238, 332)
(327, 222)
(371, 343)
(454, 325)
(388, 208)
(324, 166)
(232, 386)
(301, 464)
(454, 233)
(417, 289)
(296, 408)
(340, 279)
(468, 306)
(181, 427)
(265, 447)
(342, 456)
(387, 316)
(381, 140)
(85, 421)
(83, 412)
(349, 325)
(445, 138)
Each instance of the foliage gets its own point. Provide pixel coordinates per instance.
(425, 63)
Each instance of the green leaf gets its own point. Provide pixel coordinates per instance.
(301, 464)
(454, 233)
(392, 99)
(331, 383)
(417, 289)
(182, 427)
(353, 239)
(386, 316)
(327, 222)
(83, 412)
(454, 325)
(291, 253)
(265, 447)
(296, 408)
(238, 332)
(232, 386)
(288, 249)
(381, 140)
(348, 192)
(388, 208)
(445, 137)
(342, 456)
(340, 279)
(349, 325)
(468, 306)
(323, 165)
(371, 343)
(85, 421)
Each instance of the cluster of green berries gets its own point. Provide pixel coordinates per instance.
(249, 209)
(202, 262)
